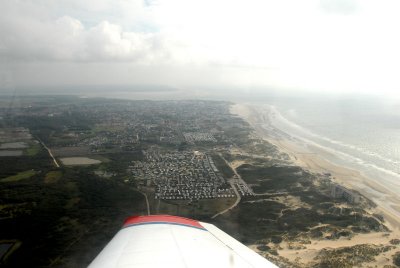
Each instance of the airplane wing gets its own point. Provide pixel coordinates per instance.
(170, 241)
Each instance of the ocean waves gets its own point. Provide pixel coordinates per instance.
(361, 157)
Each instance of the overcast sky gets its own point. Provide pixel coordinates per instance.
(326, 45)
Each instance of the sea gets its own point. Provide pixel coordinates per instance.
(363, 132)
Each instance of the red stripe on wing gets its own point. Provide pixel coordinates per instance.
(162, 219)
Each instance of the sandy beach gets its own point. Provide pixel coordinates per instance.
(317, 160)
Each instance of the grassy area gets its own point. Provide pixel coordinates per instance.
(52, 176)
(33, 149)
(274, 178)
(252, 222)
(272, 217)
(20, 176)
(201, 209)
(85, 213)
(220, 163)
(101, 127)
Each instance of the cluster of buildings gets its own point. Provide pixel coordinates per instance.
(192, 137)
(181, 175)
(108, 138)
(127, 124)
(242, 187)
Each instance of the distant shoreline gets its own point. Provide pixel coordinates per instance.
(316, 159)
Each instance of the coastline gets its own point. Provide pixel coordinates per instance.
(317, 160)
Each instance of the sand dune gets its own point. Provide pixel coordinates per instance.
(315, 159)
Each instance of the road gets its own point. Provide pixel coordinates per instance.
(147, 203)
(238, 198)
(50, 153)
(147, 199)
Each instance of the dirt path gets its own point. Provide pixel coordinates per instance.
(238, 197)
(50, 153)
(147, 201)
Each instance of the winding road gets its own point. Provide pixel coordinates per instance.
(238, 197)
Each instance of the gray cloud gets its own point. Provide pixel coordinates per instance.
(67, 39)
(184, 43)
(35, 33)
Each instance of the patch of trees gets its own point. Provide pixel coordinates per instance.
(99, 207)
(396, 259)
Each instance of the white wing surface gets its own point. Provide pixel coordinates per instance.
(169, 241)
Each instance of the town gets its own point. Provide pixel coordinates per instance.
(181, 175)
(169, 147)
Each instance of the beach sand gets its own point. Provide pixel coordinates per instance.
(316, 160)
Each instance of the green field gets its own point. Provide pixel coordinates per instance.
(52, 176)
(222, 166)
(33, 149)
(20, 176)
